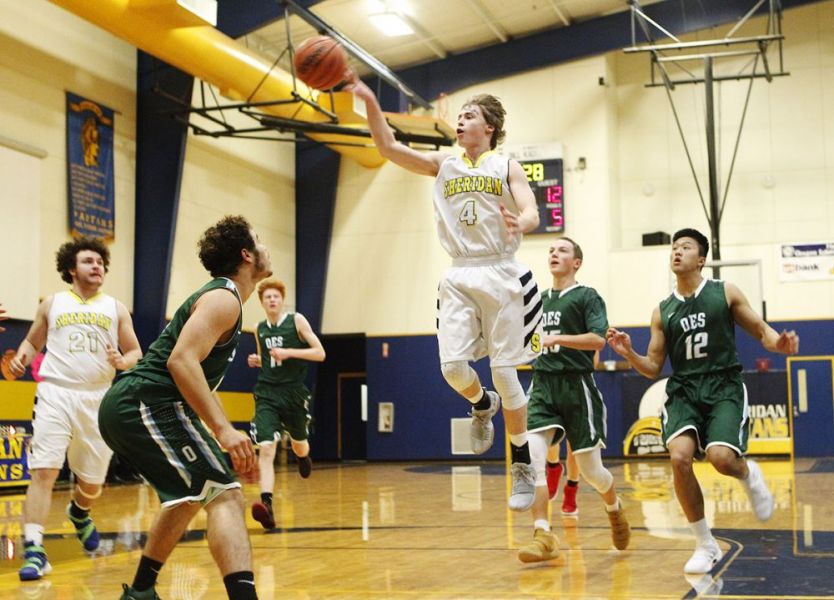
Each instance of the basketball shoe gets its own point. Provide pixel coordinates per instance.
(35, 564)
(553, 473)
(481, 430)
(704, 558)
(128, 593)
(263, 514)
(85, 529)
(620, 529)
(305, 466)
(545, 546)
(760, 497)
(524, 486)
(569, 507)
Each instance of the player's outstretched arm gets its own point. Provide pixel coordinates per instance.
(786, 342)
(582, 341)
(423, 163)
(649, 365)
(34, 341)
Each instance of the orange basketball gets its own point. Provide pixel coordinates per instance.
(320, 62)
(5, 367)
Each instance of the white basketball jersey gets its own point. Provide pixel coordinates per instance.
(79, 332)
(466, 200)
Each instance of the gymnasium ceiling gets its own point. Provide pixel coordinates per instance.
(457, 43)
(442, 28)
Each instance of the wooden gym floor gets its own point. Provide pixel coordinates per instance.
(441, 530)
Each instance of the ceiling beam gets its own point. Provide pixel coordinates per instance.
(489, 20)
(559, 13)
(239, 17)
(581, 39)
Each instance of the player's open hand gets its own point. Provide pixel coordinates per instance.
(3, 317)
(356, 86)
(788, 342)
(619, 341)
(240, 449)
(254, 361)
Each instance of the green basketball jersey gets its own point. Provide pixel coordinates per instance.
(700, 330)
(279, 335)
(154, 364)
(576, 310)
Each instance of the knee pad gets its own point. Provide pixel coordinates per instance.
(84, 494)
(539, 442)
(592, 470)
(505, 380)
(458, 374)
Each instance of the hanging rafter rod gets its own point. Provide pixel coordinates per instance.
(704, 43)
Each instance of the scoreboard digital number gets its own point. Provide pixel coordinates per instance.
(546, 180)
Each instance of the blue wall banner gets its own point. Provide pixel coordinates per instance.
(14, 461)
(90, 168)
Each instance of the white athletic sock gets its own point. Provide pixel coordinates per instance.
(477, 397)
(702, 531)
(613, 507)
(33, 532)
(541, 524)
(518, 439)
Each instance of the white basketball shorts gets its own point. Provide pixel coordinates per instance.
(66, 424)
(489, 307)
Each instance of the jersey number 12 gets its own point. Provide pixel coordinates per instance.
(695, 344)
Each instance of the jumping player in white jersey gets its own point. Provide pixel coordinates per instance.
(488, 304)
(84, 331)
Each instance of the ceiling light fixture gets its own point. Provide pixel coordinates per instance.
(391, 24)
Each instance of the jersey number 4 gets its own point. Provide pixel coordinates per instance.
(695, 344)
(468, 215)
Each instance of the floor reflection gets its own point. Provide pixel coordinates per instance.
(443, 530)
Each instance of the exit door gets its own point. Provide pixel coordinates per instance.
(811, 394)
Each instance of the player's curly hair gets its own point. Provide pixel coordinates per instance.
(65, 257)
(271, 284)
(494, 114)
(220, 245)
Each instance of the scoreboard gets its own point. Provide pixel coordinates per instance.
(547, 182)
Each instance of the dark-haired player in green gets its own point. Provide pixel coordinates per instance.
(153, 415)
(285, 344)
(564, 400)
(706, 407)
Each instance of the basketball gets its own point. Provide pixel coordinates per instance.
(320, 62)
